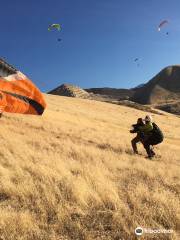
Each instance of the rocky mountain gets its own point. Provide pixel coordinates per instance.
(162, 91)
(69, 90)
(140, 85)
(162, 88)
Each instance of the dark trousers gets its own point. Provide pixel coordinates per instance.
(134, 142)
(147, 146)
(146, 143)
(152, 140)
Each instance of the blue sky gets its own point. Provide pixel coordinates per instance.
(100, 40)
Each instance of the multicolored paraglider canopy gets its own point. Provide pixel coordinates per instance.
(54, 26)
(162, 23)
(19, 95)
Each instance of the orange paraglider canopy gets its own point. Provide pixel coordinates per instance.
(19, 95)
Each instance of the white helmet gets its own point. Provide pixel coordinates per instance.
(148, 118)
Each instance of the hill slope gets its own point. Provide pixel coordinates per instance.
(163, 87)
(70, 174)
(113, 93)
(69, 90)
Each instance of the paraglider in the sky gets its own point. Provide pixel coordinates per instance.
(136, 60)
(54, 26)
(164, 22)
(19, 95)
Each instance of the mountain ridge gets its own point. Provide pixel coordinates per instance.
(163, 88)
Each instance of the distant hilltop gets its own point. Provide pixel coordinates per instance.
(162, 91)
(70, 90)
(164, 87)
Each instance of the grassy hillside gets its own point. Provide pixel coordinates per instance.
(71, 174)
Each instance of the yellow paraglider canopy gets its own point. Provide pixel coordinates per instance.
(54, 25)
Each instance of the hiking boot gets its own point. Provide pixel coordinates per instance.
(136, 152)
(150, 157)
(152, 153)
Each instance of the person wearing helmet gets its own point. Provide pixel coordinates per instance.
(148, 133)
(155, 137)
(148, 127)
(143, 128)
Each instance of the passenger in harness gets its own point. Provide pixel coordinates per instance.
(140, 135)
(154, 138)
(148, 133)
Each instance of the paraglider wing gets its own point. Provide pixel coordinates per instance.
(137, 60)
(54, 26)
(19, 95)
(162, 24)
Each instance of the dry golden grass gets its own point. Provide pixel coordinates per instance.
(71, 174)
